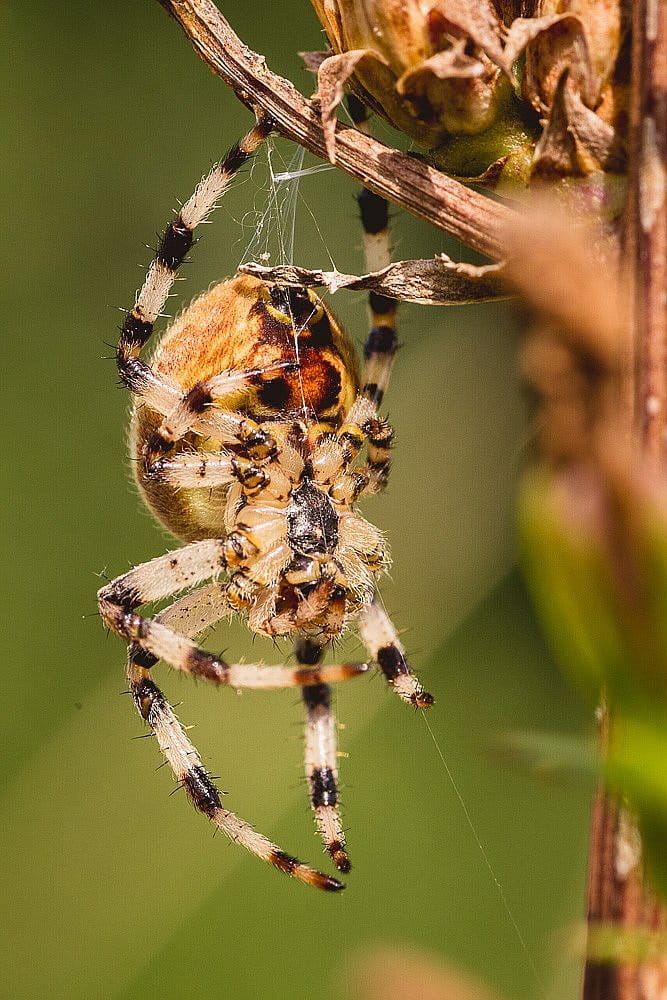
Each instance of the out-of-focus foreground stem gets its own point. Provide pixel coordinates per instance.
(617, 891)
(619, 897)
(646, 220)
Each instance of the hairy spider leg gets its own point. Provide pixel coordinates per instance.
(382, 343)
(153, 640)
(380, 637)
(321, 756)
(177, 239)
(190, 772)
(377, 630)
(363, 425)
(192, 615)
(199, 408)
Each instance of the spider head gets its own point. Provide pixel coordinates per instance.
(315, 590)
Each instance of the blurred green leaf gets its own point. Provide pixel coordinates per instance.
(613, 944)
(568, 579)
(549, 755)
(603, 599)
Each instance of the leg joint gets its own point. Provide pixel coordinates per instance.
(201, 791)
(381, 340)
(175, 243)
(323, 791)
(317, 696)
(147, 696)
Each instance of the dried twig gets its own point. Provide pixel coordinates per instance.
(430, 195)
(436, 282)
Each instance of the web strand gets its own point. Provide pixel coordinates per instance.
(485, 857)
(274, 239)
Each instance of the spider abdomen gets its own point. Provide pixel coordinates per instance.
(301, 364)
(244, 324)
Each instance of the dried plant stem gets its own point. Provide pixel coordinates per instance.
(617, 891)
(646, 229)
(618, 897)
(427, 193)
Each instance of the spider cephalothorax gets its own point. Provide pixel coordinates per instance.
(302, 559)
(245, 432)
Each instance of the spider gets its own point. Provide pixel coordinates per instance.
(244, 433)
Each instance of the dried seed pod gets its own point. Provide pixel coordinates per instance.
(587, 43)
(419, 63)
(575, 77)
(444, 72)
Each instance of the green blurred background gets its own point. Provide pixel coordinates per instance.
(110, 888)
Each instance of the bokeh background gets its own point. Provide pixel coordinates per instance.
(110, 887)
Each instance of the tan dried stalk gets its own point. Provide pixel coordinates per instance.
(617, 890)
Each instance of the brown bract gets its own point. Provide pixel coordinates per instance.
(417, 63)
(441, 68)
(584, 36)
(574, 78)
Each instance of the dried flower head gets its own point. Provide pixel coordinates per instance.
(416, 63)
(438, 69)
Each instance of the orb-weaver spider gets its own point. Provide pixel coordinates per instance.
(245, 430)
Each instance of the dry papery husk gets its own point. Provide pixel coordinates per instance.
(439, 281)
(442, 68)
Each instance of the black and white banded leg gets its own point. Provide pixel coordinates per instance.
(333, 458)
(382, 342)
(202, 468)
(192, 615)
(153, 640)
(321, 757)
(177, 239)
(364, 426)
(190, 772)
(381, 640)
(199, 408)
